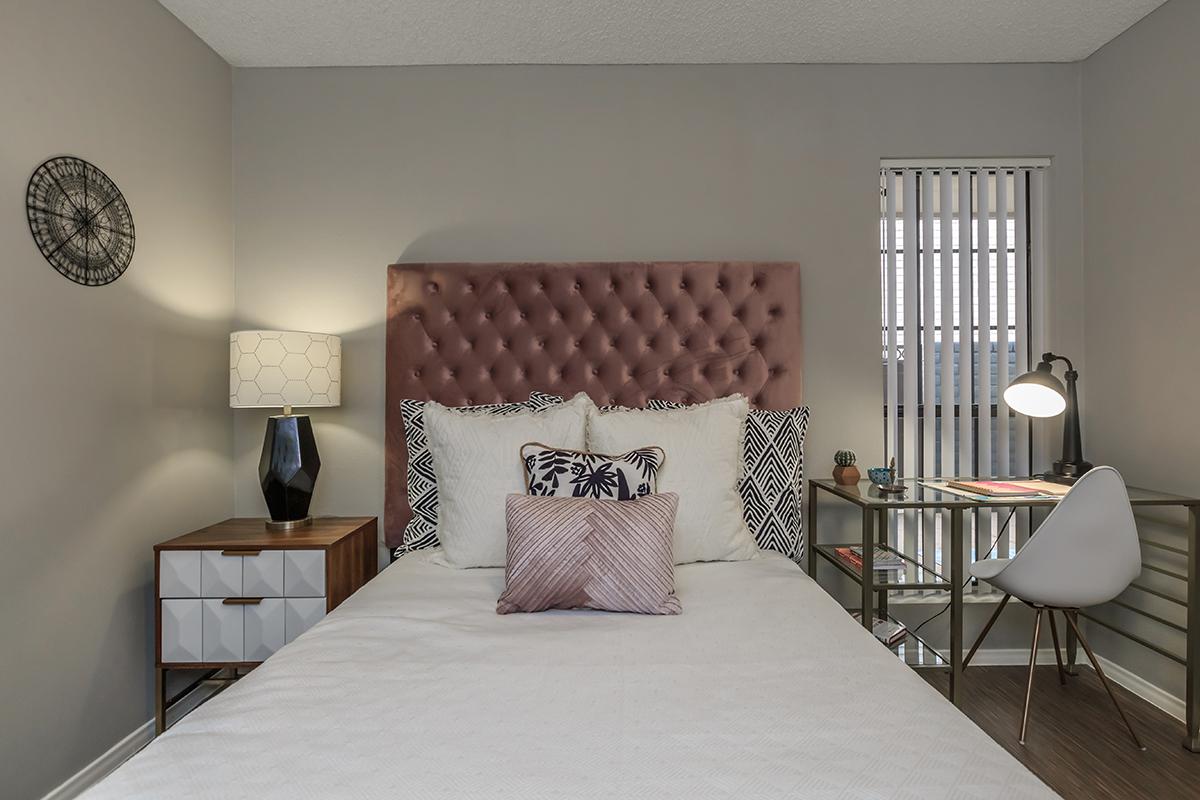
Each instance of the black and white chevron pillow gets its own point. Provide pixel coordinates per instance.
(772, 487)
(421, 531)
(553, 472)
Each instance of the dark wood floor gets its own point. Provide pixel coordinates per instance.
(1076, 741)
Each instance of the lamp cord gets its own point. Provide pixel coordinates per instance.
(991, 549)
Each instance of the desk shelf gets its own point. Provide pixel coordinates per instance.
(876, 507)
(913, 576)
(914, 651)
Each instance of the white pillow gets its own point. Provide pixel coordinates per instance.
(477, 460)
(703, 466)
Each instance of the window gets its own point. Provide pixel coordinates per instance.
(960, 264)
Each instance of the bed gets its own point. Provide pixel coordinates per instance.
(414, 687)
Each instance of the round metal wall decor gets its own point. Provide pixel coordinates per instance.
(80, 221)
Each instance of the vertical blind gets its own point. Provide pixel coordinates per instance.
(961, 254)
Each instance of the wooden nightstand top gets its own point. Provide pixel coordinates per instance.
(251, 534)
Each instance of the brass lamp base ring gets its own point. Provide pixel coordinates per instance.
(289, 524)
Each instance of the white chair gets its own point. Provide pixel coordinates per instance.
(1084, 554)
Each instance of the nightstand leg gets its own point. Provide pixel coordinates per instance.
(956, 602)
(868, 568)
(160, 700)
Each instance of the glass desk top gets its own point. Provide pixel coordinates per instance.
(866, 495)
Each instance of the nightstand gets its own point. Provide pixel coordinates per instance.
(231, 594)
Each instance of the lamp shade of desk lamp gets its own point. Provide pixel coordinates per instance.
(1040, 394)
(286, 370)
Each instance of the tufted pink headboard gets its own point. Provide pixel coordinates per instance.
(627, 332)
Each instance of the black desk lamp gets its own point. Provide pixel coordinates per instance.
(1040, 394)
(273, 369)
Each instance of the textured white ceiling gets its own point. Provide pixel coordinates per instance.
(278, 33)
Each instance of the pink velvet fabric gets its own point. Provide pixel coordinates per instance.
(624, 332)
(609, 555)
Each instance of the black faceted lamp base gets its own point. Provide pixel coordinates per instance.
(288, 470)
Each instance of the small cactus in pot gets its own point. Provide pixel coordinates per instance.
(845, 473)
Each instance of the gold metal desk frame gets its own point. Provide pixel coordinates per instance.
(876, 506)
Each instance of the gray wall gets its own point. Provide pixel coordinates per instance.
(1141, 130)
(113, 422)
(339, 172)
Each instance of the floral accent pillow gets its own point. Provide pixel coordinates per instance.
(554, 472)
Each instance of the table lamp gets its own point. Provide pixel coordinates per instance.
(1040, 394)
(273, 369)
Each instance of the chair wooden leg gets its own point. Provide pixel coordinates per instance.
(983, 634)
(1062, 673)
(1037, 628)
(1104, 680)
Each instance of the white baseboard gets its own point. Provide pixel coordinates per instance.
(1010, 657)
(1152, 694)
(125, 749)
(112, 758)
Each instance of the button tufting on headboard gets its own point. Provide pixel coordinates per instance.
(623, 332)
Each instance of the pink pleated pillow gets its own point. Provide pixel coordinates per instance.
(574, 552)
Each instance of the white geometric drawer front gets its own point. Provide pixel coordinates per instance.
(264, 628)
(179, 573)
(304, 573)
(300, 614)
(182, 637)
(220, 575)
(223, 631)
(262, 575)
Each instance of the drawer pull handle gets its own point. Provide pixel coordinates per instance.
(240, 552)
(242, 601)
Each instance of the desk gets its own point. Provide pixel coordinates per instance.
(875, 507)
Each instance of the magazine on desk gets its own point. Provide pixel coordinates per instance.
(1011, 488)
(997, 490)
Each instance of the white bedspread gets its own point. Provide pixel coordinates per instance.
(416, 688)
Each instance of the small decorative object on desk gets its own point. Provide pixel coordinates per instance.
(880, 476)
(845, 473)
(884, 479)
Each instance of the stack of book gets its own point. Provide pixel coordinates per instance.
(888, 631)
(883, 558)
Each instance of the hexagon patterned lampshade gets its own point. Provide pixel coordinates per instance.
(270, 369)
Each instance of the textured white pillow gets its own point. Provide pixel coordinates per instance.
(703, 444)
(477, 460)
